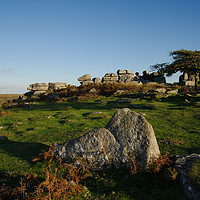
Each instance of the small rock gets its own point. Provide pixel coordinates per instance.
(172, 91)
(124, 100)
(93, 90)
(161, 90)
(119, 92)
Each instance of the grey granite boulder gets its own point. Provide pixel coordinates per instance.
(38, 87)
(86, 77)
(87, 82)
(57, 85)
(126, 78)
(126, 136)
(135, 136)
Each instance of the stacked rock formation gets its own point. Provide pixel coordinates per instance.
(39, 88)
(85, 79)
(187, 79)
(110, 78)
(127, 136)
(125, 76)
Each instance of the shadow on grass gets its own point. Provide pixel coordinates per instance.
(119, 183)
(23, 150)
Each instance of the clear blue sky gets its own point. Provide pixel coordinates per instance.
(61, 40)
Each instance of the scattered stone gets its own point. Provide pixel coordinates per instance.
(161, 95)
(124, 100)
(95, 113)
(100, 101)
(93, 90)
(118, 92)
(182, 165)
(161, 90)
(126, 136)
(173, 92)
(18, 123)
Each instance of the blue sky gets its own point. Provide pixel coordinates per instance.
(61, 40)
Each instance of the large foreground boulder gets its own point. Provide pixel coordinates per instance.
(127, 136)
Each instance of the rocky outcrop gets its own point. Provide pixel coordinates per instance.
(40, 88)
(110, 78)
(57, 85)
(123, 76)
(126, 136)
(187, 79)
(183, 165)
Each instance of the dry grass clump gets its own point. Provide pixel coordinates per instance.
(61, 181)
(163, 166)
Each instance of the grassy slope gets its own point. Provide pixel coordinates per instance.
(34, 129)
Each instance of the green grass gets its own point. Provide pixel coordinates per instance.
(194, 173)
(35, 128)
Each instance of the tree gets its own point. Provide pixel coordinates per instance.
(185, 61)
(160, 68)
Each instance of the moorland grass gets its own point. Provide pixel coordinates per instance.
(175, 121)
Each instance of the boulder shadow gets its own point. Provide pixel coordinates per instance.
(23, 150)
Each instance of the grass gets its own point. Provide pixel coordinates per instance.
(194, 173)
(175, 121)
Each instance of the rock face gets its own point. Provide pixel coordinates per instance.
(182, 164)
(126, 136)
